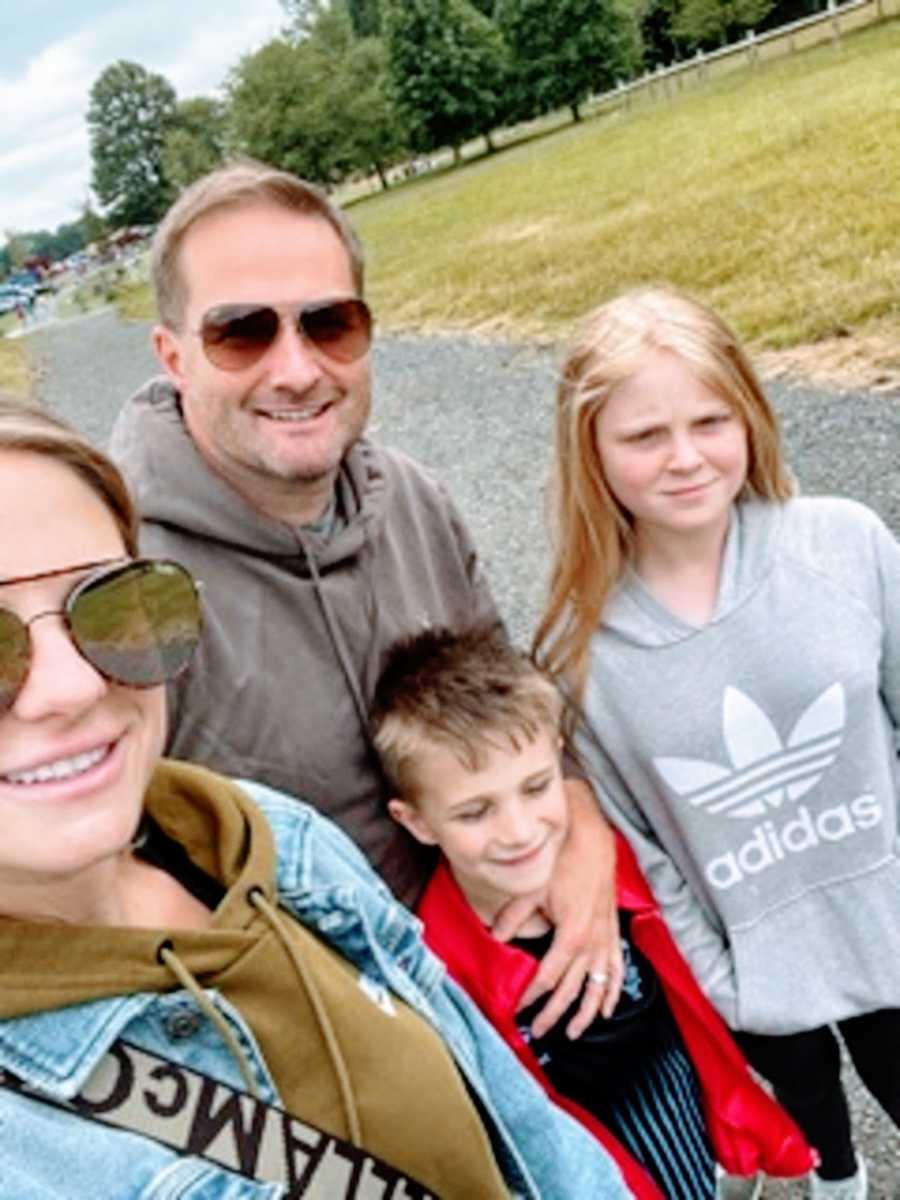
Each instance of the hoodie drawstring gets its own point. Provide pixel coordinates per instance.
(337, 641)
(257, 900)
(167, 956)
(270, 914)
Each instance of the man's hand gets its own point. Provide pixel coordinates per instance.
(581, 905)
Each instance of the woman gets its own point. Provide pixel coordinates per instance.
(736, 652)
(201, 996)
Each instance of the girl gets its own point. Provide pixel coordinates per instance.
(737, 659)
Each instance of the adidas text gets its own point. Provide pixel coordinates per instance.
(769, 845)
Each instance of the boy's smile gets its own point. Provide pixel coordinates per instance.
(501, 826)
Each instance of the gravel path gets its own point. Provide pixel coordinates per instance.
(479, 414)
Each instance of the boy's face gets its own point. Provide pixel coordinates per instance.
(500, 827)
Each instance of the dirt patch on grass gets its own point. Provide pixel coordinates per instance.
(855, 362)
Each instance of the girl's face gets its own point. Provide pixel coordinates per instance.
(673, 452)
(76, 752)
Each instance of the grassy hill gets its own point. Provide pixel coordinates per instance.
(771, 192)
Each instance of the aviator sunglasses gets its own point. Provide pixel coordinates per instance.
(137, 623)
(236, 336)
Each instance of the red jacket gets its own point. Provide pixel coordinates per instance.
(749, 1131)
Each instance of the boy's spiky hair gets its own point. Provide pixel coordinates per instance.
(466, 692)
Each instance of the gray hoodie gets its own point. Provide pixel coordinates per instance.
(296, 625)
(751, 763)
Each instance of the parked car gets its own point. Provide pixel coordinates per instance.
(12, 297)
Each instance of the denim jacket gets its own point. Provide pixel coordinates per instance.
(48, 1153)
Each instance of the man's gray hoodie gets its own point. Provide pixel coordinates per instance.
(297, 625)
(751, 763)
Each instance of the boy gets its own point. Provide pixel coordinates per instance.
(468, 732)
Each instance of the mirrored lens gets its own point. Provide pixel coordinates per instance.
(139, 624)
(236, 336)
(14, 658)
(341, 330)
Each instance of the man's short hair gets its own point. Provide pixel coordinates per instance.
(236, 185)
(468, 692)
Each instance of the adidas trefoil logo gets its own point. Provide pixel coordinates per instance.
(764, 772)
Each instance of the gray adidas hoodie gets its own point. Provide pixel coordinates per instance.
(297, 626)
(751, 763)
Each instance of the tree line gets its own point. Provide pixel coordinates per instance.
(356, 86)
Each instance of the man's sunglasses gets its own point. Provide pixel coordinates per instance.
(236, 336)
(136, 623)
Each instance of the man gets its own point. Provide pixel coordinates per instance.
(317, 548)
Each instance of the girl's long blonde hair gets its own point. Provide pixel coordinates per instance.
(594, 536)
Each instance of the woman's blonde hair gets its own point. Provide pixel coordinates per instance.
(25, 426)
(594, 534)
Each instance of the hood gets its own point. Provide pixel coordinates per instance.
(174, 487)
(56, 964)
(634, 615)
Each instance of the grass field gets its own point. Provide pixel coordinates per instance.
(771, 192)
(14, 374)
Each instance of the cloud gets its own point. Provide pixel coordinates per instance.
(44, 152)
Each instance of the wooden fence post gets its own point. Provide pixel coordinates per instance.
(835, 22)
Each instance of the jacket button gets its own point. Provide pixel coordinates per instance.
(181, 1024)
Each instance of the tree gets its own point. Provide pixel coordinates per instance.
(449, 67)
(273, 111)
(93, 227)
(194, 143)
(302, 16)
(708, 23)
(659, 45)
(129, 113)
(319, 106)
(366, 17)
(18, 247)
(564, 50)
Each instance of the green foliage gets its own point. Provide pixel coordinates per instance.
(130, 110)
(731, 188)
(715, 22)
(449, 67)
(92, 224)
(319, 106)
(366, 17)
(674, 29)
(564, 50)
(271, 109)
(659, 45)
(302, 16)
(194, 142)
(66, 240)
(17, 249)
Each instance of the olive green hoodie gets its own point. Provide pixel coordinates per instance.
(339, 1060)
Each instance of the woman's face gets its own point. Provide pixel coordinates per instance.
(76, 751)
(673, 452)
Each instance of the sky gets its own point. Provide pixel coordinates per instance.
(51, 53)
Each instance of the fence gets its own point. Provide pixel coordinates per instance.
(828, 25)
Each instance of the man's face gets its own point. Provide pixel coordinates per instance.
(278, 429)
